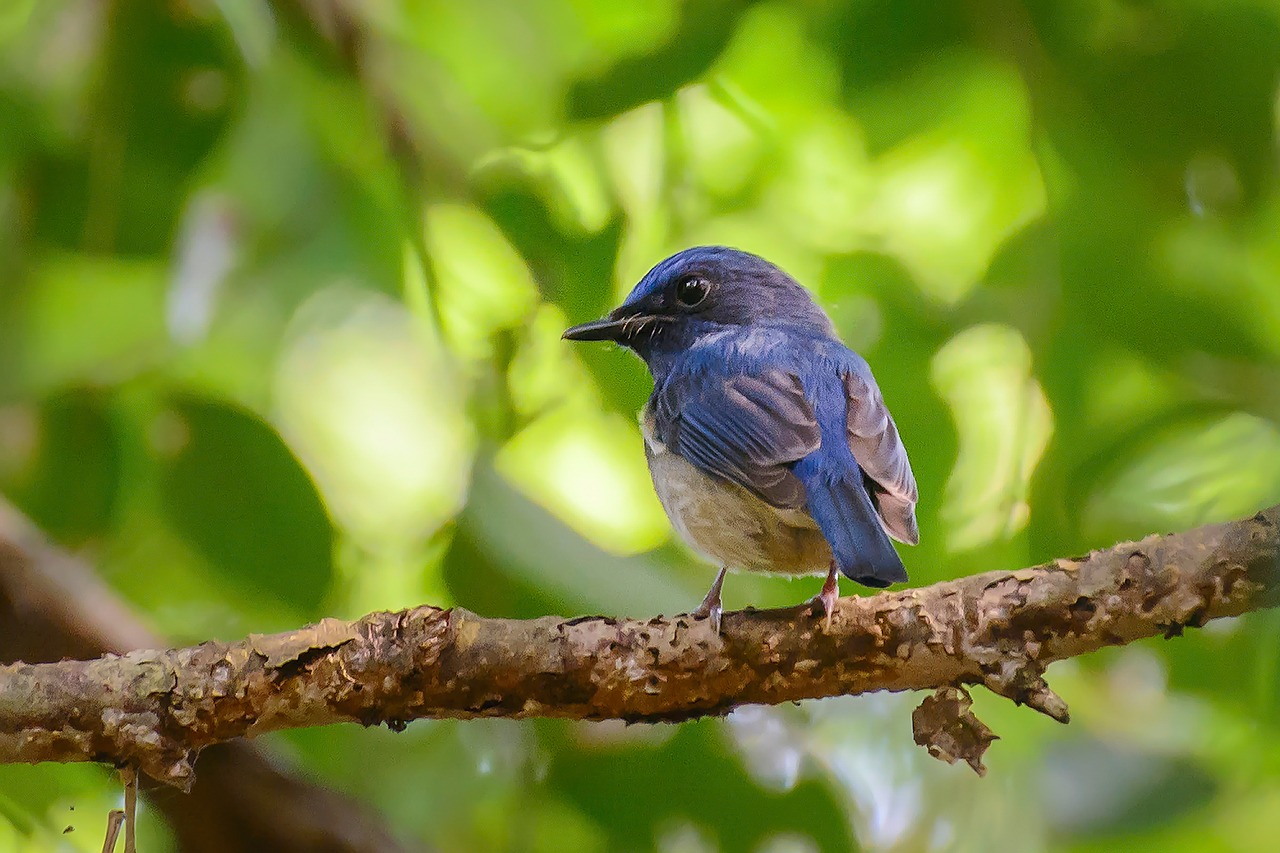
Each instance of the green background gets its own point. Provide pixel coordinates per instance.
(280, 308)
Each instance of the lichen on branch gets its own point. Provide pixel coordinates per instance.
(157, 709)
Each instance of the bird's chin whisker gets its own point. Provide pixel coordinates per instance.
(641, 327)
(654, 328)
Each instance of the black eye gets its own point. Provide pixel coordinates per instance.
(691, 290)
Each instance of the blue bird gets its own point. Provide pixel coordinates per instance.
(769, 443)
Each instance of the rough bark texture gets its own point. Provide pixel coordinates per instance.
(53, 606)
(157, 709)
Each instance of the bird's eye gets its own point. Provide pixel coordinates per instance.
(691, 290)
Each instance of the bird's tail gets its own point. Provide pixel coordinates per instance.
(847, 517)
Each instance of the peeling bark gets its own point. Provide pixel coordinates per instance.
(157, 709)
(945, 725)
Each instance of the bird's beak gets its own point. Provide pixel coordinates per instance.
(604, 329)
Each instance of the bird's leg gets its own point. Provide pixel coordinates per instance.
(710, 605)
(830, 592)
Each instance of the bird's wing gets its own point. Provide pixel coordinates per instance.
(747, 429)
(873, 438)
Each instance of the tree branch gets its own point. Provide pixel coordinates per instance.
(157, 709)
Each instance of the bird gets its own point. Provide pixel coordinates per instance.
(768, 441)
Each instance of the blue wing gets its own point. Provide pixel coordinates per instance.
(750, 430)
(762, 432)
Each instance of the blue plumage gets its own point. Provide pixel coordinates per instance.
(770, 445)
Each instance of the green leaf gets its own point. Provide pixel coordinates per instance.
(233, 489)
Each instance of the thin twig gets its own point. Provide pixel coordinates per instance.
(130, 778)
(115, 820)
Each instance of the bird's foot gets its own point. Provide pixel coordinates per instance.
(711, 610)
(710, 606)
(826, 600)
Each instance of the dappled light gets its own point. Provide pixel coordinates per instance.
(373, 412)
(949, 197)
(1003, 423)
(1190, 472)
(589, 469)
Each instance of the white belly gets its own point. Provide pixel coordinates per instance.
(727, 523)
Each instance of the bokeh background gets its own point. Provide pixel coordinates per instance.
(281, 287)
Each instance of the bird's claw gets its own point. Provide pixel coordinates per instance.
(710, 606)
(827, 599)
(710, 610)
(824, 605)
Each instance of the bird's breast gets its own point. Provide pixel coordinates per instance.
(727, 523)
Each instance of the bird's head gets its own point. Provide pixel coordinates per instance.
(701, 291)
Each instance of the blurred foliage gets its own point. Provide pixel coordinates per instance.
(282, 289)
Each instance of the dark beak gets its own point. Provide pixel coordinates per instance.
(604, 329)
